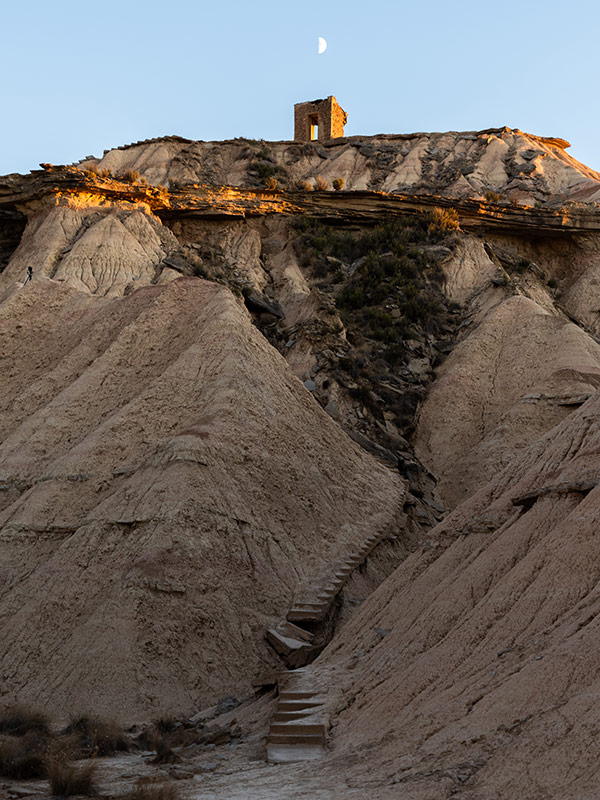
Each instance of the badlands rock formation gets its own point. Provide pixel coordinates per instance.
(467, 164)
(167, 485)
(214, 391)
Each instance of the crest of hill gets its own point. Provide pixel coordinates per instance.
(515, 165)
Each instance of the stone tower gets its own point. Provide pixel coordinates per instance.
(319, 120)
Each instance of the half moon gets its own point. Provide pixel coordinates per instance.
(322, 45)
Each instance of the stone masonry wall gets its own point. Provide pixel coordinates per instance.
(331, 119)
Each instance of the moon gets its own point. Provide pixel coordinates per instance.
(322, 45)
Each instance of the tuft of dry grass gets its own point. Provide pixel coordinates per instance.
(443, 220)
(96, 737)
(67, 780)
(23, 758)
(166, 724)
(131, 175)
(320, 184)
(19, 720)
(165, 755)
(151, 791)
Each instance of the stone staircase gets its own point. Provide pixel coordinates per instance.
(289, 638)
(297, 730)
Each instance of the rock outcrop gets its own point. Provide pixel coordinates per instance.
(507, 161)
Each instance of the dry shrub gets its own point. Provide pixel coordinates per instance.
(131, 175)
(152, 791)
(165, 733)
(165, 755)
(96, 736)
(443, 219)
(271, 183)
(19, 720)
(320, 184)
(149, 739)
(23, 758)
(338, 184)
(67, 780)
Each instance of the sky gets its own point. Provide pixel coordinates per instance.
(79, 78)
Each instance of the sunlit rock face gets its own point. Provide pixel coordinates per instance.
(103, 250)
(513, 164)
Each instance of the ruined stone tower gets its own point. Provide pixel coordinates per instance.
(319, 120)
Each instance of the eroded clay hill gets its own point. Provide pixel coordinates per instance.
(167, 484)
(211, 395)
(473, 671)
(517, 165)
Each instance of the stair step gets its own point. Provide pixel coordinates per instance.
(296, 738)
(295, 703)
(286, 753)
(296, 631)
(308, 606)
(293, 728)
(289, 716)
(284, 644)
(298, 705)
(305, 616)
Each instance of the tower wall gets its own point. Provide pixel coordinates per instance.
(327, 114)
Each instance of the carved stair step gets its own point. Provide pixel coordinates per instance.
(286, 706)
(309, 603)
(295, 631)
(289, 716)
(284, 644)
(305, 614)
(287, 753)
(294, 728)
(290, 694)
(297, 738)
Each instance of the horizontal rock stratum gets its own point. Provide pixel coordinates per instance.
(228, 399)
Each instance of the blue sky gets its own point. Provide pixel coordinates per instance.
(78, 78)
